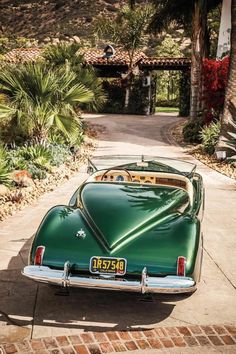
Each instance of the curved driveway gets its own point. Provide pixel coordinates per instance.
(29, 310)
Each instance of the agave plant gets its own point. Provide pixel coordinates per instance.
(38, 155)
(42, 98)
(209, 136)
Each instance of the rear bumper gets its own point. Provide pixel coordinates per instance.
(147, 284)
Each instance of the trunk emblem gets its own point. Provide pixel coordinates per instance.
(81, 234)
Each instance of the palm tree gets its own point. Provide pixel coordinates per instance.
(70, 54)
(129, 32)
(63, 52)
(229, 113)
(39, 99)
(192, 15)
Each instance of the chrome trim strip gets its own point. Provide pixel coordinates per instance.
(169, 284)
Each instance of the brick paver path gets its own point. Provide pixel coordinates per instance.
(121, 341)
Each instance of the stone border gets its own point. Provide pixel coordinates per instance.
(122, 341)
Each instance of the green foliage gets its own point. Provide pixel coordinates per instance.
(4, 168)
(184, 94)
(182, 11)
(138, 101)
(168, 81)
(88, 76)
(209, 136)
(42, 156)
(38, 155)
(68, 54)
(37, 159)
(59, 154)
(191, 131)
(9, 43)
(36, 172)
(42, 98)
(169, 48)
(167, 103)
(166, 109)
(4, 174)
(213, 24)
(63, 52)
(128, 30)
(116, 97)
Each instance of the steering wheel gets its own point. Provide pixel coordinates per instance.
(115, 170)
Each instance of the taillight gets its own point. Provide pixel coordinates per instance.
(181, 264)
(38, 258)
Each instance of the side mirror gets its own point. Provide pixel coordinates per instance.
(90, 170)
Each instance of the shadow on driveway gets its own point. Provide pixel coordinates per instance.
(25, 303)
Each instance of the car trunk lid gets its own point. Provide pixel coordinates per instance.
(122, 212)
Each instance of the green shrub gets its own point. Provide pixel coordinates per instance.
(39, 155)
(59, 154)
(36, 172)
(4, 167)
(192, 130)
(15, 160)
(209, 136)
(4, 174)
(37, 159)
(167, 103)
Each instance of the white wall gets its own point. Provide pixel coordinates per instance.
(225, 26)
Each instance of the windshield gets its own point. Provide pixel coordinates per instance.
(142, 163)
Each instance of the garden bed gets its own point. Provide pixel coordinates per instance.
(198, 153)
(17, 198)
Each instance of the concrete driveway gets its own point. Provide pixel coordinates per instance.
(29, 310)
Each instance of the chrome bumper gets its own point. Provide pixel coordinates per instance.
(169, 284)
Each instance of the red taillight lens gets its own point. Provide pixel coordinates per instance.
(38, 258)
(181, 263)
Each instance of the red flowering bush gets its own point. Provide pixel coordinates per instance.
(215, 74)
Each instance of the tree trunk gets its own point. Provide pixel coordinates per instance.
(132, 4)
(198, 49)
(229, 113)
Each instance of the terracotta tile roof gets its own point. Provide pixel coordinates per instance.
(22, 55)
(96, 57)
(163, 61)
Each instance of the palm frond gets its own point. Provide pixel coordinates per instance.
(78, 93)
(69, 126)
(61, 53)
(6, 111)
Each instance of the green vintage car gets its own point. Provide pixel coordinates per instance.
(133, 225)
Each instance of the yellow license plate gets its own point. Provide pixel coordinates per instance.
(108, 265)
